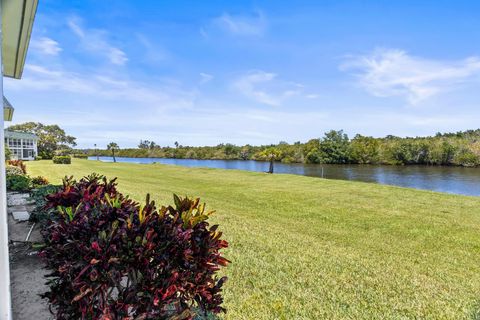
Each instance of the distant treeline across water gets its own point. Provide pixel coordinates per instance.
(335, 147)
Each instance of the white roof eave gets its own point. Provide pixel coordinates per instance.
(7, 110)
(17, 23)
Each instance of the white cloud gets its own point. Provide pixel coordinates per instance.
(98, 86)
(247, 85)
(264, 87)
(117, 56)
(46, 46)
(242, 25)
(74, 24)
(205, 77)
(392, 72)
(95, 41)
(204, 33)
(152, 51)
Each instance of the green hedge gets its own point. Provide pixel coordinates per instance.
(18, 182)
(80, 156)
(62, 160)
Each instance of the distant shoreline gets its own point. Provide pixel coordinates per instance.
(298, 163)
(335, 147)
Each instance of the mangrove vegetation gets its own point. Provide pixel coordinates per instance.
(335, 147)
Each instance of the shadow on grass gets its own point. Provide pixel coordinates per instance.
(476, 312)
(211, 317)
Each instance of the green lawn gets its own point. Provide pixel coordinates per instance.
(309, 248)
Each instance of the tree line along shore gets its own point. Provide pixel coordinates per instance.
(335, 147)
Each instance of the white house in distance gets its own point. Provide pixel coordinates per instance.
(22, 145)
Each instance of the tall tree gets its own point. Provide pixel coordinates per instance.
(112, 146)
(364, 149)
(51, 137)
(147, 144)
(144, 144)
(334, 147)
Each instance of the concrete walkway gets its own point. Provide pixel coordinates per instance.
(26, 269)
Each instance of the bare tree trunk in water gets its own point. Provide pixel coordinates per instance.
(271, 165)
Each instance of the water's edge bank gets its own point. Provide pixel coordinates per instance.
(456, 180)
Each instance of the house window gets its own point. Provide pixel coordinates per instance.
(14, 143)
(27, 153)
(27, 143)
(17, 153)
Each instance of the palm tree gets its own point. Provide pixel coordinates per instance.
(272, 154)
(113, 146)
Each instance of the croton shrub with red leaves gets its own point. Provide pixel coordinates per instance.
(112, 258)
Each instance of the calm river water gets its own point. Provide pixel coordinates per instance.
(444, 179)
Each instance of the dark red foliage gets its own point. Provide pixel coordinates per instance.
(112, 258)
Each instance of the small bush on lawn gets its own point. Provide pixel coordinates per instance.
(19, 164)
(80, 156)
(112, 258)
(62, 160)
(38, 158)
(18, 182)
(13, 170)
(39, 181)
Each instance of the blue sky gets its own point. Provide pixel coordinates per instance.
(257, 72)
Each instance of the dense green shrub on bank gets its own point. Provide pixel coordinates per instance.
(467, 158)
(456, 149)
(62, 160)
(80, 155)
(112, 258)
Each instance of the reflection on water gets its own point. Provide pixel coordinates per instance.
(445, 179)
